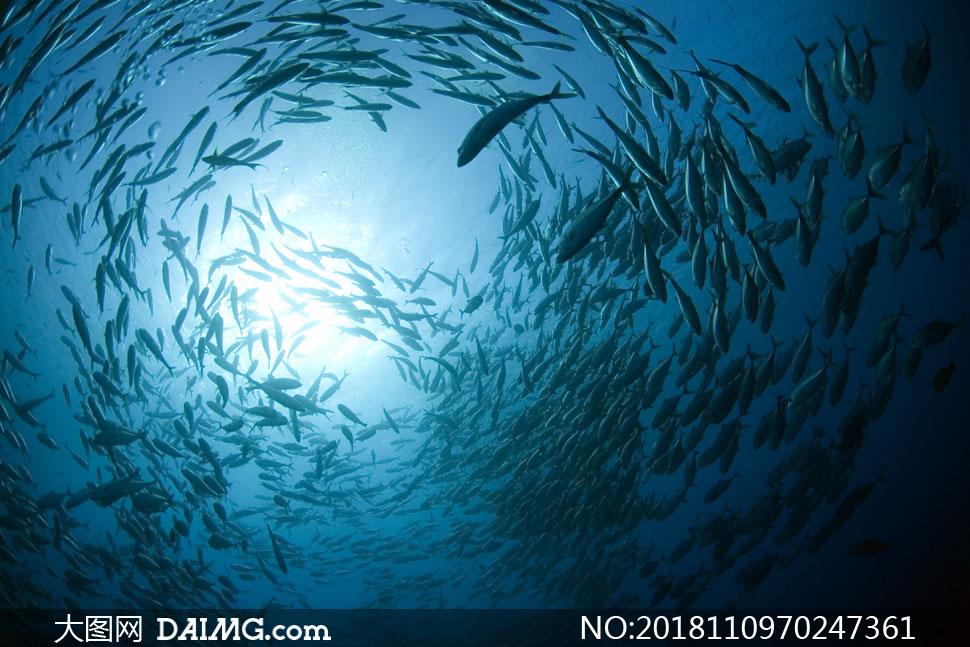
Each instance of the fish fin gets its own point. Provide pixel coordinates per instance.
(872, 192)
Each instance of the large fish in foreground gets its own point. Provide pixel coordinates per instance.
(493, 122)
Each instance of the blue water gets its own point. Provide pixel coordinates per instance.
(397, 201)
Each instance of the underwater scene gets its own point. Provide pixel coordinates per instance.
(508, 304)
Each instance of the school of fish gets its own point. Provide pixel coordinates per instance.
(573, 384)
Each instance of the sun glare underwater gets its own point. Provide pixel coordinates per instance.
(497, 303)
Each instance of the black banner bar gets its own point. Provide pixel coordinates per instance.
(480, 627)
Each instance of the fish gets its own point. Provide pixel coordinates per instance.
(350, 415)
(97, 51)
(943, 376)
(146, 338)
(204, 144)
(916, 65)
(851, 149)
(885, 162)
(495, 120)
(473, 304)
(721, 88)
(280, 561)
(936, 332)
(762, 156)
(847, 62)
(71, 101)
(813, 91)
(764, 90)
(16, 206)
(224, 161)
(581, 231)
(766, 264)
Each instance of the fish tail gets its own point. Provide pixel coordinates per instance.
(902, 309)
(847, 29)
(934, 244)
(870, 41)
(882, 228)
(625, 183)
(806, 49)
(557, 94)
(906, 138)
(736, 119)
(872, 192)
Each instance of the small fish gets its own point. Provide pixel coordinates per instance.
(765, 91)
(16, 206)
(224, 161)
(30, 281)
(350, 415)
(473, 304)
(942, 377)
(206, 140)
(813, 91)
(916, 65)
(582, 230)
(276, 550)
(765, 264)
